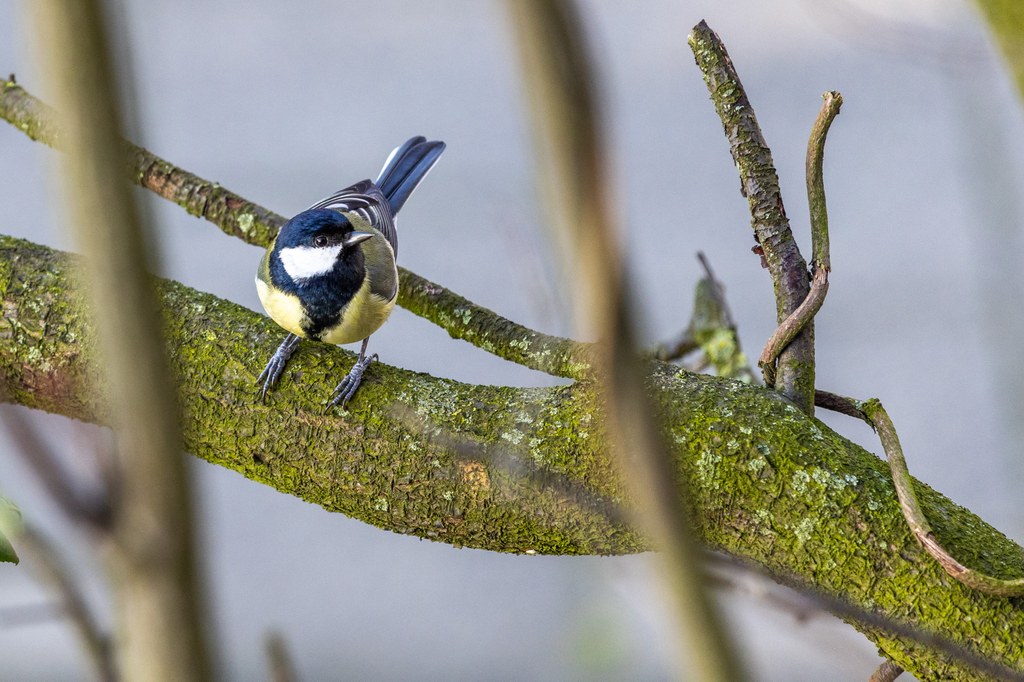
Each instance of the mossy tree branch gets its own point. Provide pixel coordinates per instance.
(768, 483)
(256, 225)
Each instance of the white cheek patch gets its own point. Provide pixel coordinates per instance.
(303, 262)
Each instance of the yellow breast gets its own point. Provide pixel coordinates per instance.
(283, 308)
(362, 316)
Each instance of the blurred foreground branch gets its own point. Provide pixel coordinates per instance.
(1005, 19)
(52, 570)
(560, 81)
(160, 632)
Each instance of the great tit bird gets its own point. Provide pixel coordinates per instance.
(330, 273)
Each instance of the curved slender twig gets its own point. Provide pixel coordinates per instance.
(821, 263)
(789, 328)
(814, 174)
(916, 518)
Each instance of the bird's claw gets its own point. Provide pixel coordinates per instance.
(348, 386)
(275, 366)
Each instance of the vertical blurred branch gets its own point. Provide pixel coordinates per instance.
(560, 92)
(153, 573)
(560, 85)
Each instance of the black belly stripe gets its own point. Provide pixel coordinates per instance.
(323, 297)
(323, 301)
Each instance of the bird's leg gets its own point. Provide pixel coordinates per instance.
(347, 388)
(272, 372)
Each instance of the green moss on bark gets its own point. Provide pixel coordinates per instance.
(519, 470)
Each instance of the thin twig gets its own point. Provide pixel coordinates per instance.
(872, 412)
(256, 225)
(841, 404)
(833, 101)
(718, 287)
(916, 518)
(77, 503)
(231, 213)
(760, 185)
(565, 114)
(676, 349)
(54, 572)
(789, 328)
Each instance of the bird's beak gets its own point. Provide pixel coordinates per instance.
(356, 238)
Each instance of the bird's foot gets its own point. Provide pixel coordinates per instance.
(347, 388)
(275, 367)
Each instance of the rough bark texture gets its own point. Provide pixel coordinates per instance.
(518, 470)
(759, 184)
(253, 224)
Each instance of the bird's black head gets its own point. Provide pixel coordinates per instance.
(317, 243)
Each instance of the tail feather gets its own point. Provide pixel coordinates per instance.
(406, 167)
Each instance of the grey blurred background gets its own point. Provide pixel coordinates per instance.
(284, 103)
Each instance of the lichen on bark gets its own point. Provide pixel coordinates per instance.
(518, 470)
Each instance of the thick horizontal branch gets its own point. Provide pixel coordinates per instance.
(256, 225)
(518, 470)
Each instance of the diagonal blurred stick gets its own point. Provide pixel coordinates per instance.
(52, 570)
(77, 503)
(569, 141)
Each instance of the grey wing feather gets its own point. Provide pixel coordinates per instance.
(365, 199)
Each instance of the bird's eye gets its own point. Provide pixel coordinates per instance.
(320, 240)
